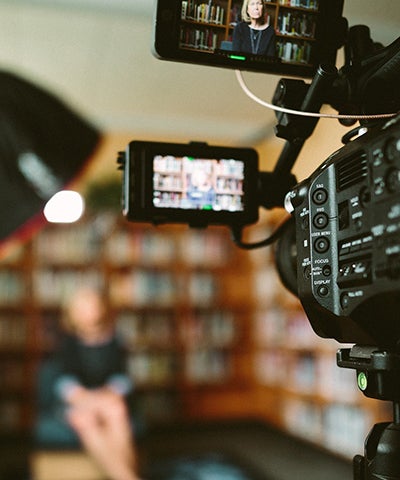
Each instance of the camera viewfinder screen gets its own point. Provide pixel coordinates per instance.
(198, 184)
(286, 31)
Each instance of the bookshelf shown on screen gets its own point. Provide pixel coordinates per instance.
(207, 26)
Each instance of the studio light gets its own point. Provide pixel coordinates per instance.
(44, 147)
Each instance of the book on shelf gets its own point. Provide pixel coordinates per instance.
(302, 418)
(199, 38)
(13, 331)
(271, 367)
(52, 287)
(345, 428)
(141, 288)
(76, 245)
(152, 329)
(13, 287)
(203, 12)
(292, 51)
(296, 24)
(13, 375)
(204, 366)
(11, 415)
(309, 4)
(152, 368)
(140, 247)
(212, 328)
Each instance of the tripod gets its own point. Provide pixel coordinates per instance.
(378, 376)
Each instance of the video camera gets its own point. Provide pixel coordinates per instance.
(339, 250)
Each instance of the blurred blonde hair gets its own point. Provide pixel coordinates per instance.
(67, 322)
(246, 16)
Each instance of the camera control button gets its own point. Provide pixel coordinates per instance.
(323, 291)
(307, 272)
(392, 149)
(326, 270)
(321, 220)
(393, 180)
(320, 196)
(344, 301)
(321, 244)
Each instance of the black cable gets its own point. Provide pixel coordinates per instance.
(237, 236)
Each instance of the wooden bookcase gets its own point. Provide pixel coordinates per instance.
(205, 25)
(178, 295)
(212, 332)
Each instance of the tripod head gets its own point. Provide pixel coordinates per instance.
(378, 376)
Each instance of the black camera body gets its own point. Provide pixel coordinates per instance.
(347, 216)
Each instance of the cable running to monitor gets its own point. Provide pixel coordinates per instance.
(258, 100)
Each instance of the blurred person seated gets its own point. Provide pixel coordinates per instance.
(84, 390)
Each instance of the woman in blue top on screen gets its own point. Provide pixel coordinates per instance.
(253, 34)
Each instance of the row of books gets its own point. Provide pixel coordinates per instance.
(53, 287)
(13, 330)
(198, 366)
(302, 373)
(151, 329)
(199, 38)
(296, 24)
(310, 4)
(176, 184)
(291, 51)
(141, 288)
(338, 427)
(209, 12)
(223, 200)
(153, 368)
(167, 163)
(158, 248)
(204, 366)
(216, 329)
(167, 182)
(79, 243)
(84, 244)
(11, 416)
(13, 375)
(289, 329)
(13, 287)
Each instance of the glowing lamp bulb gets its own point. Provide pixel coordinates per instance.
(66, 206)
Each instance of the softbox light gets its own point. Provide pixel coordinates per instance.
(44, 146)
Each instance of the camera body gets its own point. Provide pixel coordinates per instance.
(347, 216)
(193, 183)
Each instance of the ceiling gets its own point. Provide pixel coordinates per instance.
(96, 54)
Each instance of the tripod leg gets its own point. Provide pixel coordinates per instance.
(382, 454)
(358, 467)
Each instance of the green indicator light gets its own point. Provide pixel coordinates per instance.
(362, 381)
(237, 57)
(207, 207)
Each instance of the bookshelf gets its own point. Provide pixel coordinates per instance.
(170, 289)
(206, 25)
(211, 332)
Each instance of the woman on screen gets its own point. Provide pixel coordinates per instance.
(253, 34)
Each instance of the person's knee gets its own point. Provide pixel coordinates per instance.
(80, 420)
(117, 409)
